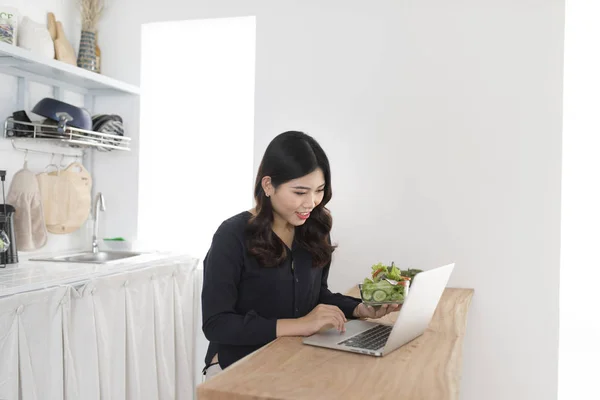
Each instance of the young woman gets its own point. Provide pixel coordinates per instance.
(265, 274)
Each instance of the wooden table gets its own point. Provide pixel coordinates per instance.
(428, 368)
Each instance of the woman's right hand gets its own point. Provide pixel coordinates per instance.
(322, 316)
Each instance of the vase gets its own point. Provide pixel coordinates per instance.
(86, 57)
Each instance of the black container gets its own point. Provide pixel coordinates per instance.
(7, 224)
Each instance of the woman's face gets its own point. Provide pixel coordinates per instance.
(294, 200)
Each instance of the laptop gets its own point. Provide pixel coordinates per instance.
(374, 339)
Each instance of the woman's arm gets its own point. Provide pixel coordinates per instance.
(322, 316)
(220, 322)
(290, 327)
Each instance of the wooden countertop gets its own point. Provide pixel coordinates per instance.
(428, 368)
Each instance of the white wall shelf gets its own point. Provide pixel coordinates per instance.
(23, 63)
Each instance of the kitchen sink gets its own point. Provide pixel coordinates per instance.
(93, 256)
(101, 257)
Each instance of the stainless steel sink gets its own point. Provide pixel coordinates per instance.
(94, 256)
(101, 257)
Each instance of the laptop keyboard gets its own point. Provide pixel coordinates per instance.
(371, 339)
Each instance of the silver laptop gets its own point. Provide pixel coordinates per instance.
(413, 318)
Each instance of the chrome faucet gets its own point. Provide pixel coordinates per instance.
(98, 206)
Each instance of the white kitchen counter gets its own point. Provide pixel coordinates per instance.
(35, 275)
(123, 330)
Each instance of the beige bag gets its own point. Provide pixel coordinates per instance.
(66, 196)
(50, 188)
(24, 195)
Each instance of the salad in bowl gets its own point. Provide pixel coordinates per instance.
(387, 285)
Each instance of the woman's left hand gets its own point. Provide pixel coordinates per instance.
(364, 311)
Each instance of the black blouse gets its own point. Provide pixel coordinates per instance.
(242, 301)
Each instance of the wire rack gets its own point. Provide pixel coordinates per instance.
(62, 136)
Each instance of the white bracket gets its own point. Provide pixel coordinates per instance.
(58, 93)
(22, 93)
(89, 102)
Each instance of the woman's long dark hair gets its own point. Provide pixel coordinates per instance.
(290, 155)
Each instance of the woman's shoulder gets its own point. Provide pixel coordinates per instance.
(235, 224)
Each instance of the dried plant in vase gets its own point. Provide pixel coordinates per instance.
(91, 11)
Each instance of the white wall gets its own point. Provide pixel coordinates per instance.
(443, 124)
(579, 326)
(12, 160)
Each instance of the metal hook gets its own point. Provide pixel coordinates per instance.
(52, 164)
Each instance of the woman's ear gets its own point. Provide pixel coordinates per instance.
(267, 186)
